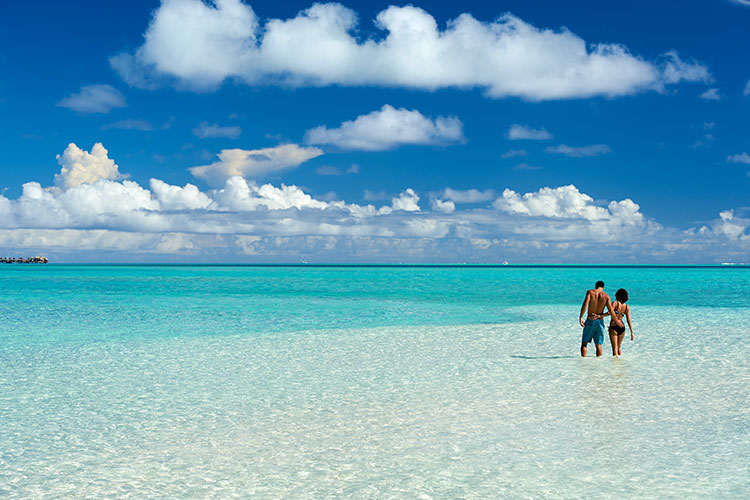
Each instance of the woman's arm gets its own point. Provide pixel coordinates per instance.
(630, 325)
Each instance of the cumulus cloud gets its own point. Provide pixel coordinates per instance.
(94, 99)
(199, 45)
(445, 206)
(739, 158)
(244, 220)
(204, 130)
(407, 201)
(710, 95)
(581, 151)
(728, 226)
(562, 202)
(566, 214)
(468, 195)
(171, 197)
(389, 128)
(254, 163)
(524, 132)
(130, 124)
(79, 166)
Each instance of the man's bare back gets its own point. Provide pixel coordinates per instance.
(597, 300)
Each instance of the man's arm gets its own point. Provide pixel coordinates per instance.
(583, 307)
(611, 311)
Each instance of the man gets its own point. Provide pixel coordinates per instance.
(593, 328)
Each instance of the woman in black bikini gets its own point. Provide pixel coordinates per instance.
(616, 325)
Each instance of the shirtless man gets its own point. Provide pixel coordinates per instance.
(593, 328)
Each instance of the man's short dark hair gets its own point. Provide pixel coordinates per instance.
(621, 295)
(599, 284)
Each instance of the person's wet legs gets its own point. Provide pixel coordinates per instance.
(613, 342)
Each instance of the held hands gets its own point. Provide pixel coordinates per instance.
(597, 316)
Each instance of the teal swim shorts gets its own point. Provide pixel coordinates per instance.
(593, 329)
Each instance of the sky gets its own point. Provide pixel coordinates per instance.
(580, 132)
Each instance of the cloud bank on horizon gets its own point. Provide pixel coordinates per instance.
(93, 207)
(198, 46)
(239, 206)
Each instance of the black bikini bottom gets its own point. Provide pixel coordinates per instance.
(617, 329)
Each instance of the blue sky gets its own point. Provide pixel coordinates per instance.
(365, 132)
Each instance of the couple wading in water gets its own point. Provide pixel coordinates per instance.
(593, 328)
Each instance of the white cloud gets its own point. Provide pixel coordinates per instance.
(746, 3)
(94, 99)
(676, 70)
(407, 201)
(199, 45)
(468, 196)
(206, 131)
(561, 202)
(79, 166)
(254, 163)
(524, 132)
(445, 206)
(728, 226)
(579, 152)
(389, 128)
(243, 220)
(238, 194)
(746, 92)
(130, 124)
(739, 158)
(179, 198)
(710, 95)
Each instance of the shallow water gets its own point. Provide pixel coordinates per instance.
(180, 382)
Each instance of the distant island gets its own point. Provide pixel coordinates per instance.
(24, 260)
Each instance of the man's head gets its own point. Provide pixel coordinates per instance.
(599, 284)
(621, 295)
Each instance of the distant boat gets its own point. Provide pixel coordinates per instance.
(505, 262)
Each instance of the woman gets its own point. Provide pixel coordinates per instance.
(616, 325)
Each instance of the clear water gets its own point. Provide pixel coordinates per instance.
(306, 382)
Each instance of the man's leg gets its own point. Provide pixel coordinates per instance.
(583, 349)
(599, 337)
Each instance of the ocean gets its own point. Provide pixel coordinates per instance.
(424, 382)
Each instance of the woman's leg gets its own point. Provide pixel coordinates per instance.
(619, 343)
(613, 341)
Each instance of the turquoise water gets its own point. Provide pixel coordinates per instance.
(368, 382)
